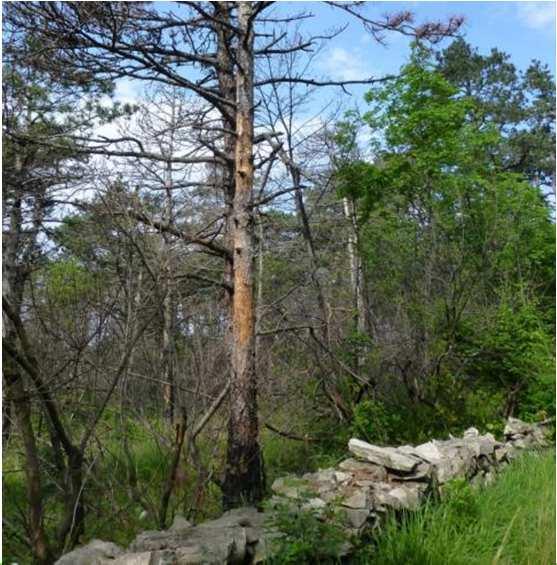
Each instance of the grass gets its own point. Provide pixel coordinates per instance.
(112, 512)
(511, 522)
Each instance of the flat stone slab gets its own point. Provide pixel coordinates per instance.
(429, 452)
(363, 469)
(96, 552)
(388, 457)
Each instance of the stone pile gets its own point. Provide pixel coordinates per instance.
(361, 490)
(237, 537)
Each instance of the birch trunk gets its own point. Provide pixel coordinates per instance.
(356, 276)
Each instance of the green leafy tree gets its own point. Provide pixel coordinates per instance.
(520, 104)
(448, 233)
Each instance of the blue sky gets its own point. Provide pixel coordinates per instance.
(525, 30)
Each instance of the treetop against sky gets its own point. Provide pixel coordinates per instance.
(525, 30)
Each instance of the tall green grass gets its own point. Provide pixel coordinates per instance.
(511, 522)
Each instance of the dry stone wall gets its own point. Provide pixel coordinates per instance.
(362, 489)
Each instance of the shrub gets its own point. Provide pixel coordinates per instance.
(307, 535)
(374, 422)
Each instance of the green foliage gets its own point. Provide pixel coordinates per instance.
(376, 423)
(512, 521)
(449, 235)
(68, 282)
(483, 409)
(308, 536)
(460, 501)
(358, 177)
(516, 353)
(520, 103)
(283, 456)
(115, 477)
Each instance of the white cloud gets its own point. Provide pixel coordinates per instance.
(341, 64)
(127, 91)
(537, 15)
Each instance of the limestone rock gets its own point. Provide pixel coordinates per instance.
(467, 448)
(363, 470)
(179, 523)
(450, 468)
(429, 452)
(515, 427)
(144, 558)
(314, 504)
(501, 453)
(407, 449)
(522, 442)
(471, 432)
(459, 458)
(322, 475)
(386, 456)
(223, 540)
(405, 496)
(488, 443)
(96, 552)
(341, 477)
(356, 517)
(362, 490)
(151, 540)
(358, 498)
(423, 472)
(539, 435)
(408, 497)
(291, 487)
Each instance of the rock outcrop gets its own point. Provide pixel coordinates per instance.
(361, 490)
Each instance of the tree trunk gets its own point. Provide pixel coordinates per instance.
(259, 298)
(20, 399)
(243, 482)
(308, 237)
(74, 513)
(13, 282)
(169, 310)
(168, 354)
(6, 416)
(361, 321)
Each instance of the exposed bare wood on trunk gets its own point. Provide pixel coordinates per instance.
(243, 480)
